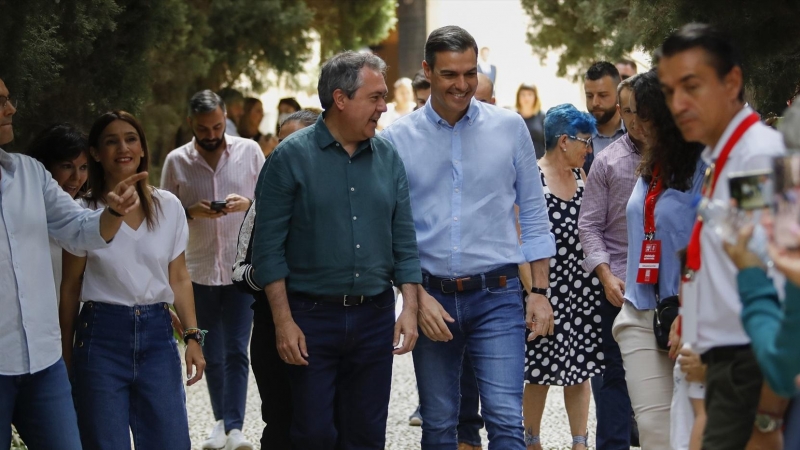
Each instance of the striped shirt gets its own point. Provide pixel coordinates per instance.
(212, 242)
(602, 225)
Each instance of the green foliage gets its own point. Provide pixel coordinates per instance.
(587, 30)
(70, 60)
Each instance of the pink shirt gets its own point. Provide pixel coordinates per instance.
(211, 250)
(602, 224)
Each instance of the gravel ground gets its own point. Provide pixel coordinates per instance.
(399, 435)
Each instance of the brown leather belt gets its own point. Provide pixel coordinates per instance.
(493, 279)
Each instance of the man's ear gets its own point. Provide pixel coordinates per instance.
(339, 98)
(733, 82)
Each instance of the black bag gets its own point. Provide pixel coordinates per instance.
(666, 312)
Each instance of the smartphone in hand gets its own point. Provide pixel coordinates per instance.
(219, 205)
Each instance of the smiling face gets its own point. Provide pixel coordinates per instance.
(701, 102)
(575, 151)
(454, 79)
(361, 113)
(71, 175)
(6, 128)
(119, 150)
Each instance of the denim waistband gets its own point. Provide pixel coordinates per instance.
(108, 307)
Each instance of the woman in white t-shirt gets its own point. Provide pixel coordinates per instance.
(63, 150)
(124, 362)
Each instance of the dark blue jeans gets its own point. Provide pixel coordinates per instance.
(127, 375)
(613, 405)
(470, 421)
(341, 398)
(225, 312)
(489, 327)
(40, 406)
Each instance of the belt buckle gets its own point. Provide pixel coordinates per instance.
(346, 302)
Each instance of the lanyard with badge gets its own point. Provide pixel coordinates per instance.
(651, 248)
(688, 325)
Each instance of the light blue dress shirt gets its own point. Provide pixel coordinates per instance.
(464, 181)
(33, 206)
(675, 215)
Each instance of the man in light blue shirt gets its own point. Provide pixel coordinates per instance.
(35, 393)
(468, 164)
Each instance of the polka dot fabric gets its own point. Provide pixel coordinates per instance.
(572, 354)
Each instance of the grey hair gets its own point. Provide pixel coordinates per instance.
(343, 71)
(627, 83)
(205, 102)
(304, 116)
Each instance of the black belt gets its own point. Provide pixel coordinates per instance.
(344, 300)
(722, 354)
(493, 279)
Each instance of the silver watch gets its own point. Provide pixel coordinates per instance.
(767, 424)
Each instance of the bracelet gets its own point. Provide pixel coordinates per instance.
(112, 212)
(196, 334)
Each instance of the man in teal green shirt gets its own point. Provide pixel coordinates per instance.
(333, 232)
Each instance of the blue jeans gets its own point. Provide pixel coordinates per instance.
(126, 371)
(225, 312)
(341, 398)
(489, 327)
(470, 421)
(613, 405)
(40, 406)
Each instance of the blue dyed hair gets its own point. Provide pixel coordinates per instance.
(566, 119)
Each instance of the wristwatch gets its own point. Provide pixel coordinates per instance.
(541, 291)
(766, 423)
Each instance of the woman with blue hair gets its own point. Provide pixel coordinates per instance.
(571, 355)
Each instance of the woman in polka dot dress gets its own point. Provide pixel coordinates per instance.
(571, 355)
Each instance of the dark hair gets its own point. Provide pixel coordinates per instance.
(448, 39)
(205, 102)
(566, 119)
(420, 81)
(230, 96)
(343, 71)
(304, 116)
(676, 158)
(291, 101)
(602, 69)
(97, 175)
(58, 143)
(723, 55)
(627, 62)
(249, 104)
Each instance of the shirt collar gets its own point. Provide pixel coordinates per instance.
(7, 162)
(325, 139)
(618, 132)
(628, 144)
(436, 119)
(709, 154)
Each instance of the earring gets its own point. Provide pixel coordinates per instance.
(563, 149)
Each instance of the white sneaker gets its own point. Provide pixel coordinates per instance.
(216, 440)
(237, 441)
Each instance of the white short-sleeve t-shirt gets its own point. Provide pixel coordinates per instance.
(134, 269)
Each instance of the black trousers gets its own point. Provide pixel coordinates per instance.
(272, 380)
(733, 389)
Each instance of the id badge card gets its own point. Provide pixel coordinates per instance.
(649, 262)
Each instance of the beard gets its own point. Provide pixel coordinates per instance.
(604, 115)
(209, 145)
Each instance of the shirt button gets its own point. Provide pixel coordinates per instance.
(455, 248)
(337, 144)
(350, 162)
(457, 191)
(354, 217)
(352, 189)
(455, 218)
(358, 245)
(356, 275)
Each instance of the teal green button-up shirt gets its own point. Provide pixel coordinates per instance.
(331, 224)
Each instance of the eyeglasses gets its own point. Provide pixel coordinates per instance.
(7, 100)
(586, 142)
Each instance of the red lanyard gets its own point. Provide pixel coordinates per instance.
(653, 191)
(693, 251)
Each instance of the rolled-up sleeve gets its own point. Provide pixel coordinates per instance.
(404, 237)
(275, 193)
(76, 227)
(537, 240)
(594, 217)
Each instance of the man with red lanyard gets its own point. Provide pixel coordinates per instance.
(700, 73)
